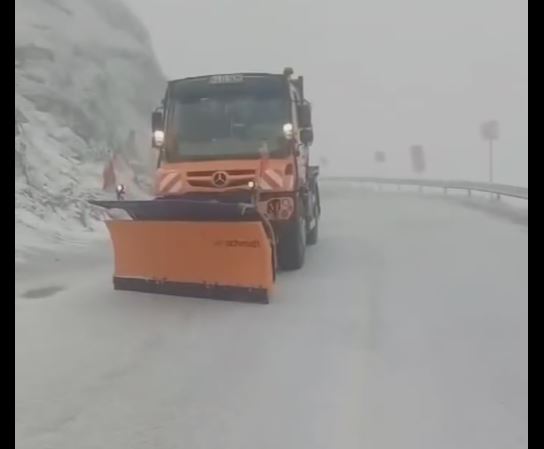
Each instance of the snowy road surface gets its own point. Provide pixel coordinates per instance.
(406, 329)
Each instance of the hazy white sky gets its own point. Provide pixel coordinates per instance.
(382, 74)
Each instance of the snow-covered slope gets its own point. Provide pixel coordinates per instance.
(86, 80)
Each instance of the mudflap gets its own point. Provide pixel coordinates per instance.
(203, 249)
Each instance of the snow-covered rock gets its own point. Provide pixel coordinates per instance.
(86, 80)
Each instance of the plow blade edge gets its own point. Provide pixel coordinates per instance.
(191, 248)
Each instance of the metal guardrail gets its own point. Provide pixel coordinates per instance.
(469, 186)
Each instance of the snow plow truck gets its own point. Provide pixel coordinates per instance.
(235, 197)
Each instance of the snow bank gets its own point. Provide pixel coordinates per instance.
(86, 80)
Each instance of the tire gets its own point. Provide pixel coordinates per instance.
(292, 246)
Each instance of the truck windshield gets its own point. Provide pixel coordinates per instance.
(228, 126)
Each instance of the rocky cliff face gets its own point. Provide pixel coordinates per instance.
(86, 80)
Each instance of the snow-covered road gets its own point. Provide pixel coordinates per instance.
(406, 329)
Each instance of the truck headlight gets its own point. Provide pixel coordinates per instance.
(288, 130)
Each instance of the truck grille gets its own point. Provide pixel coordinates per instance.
(235, 178)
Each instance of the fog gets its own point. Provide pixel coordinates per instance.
(382, 75)
(407, 326)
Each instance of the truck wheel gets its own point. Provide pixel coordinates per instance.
(292, 246)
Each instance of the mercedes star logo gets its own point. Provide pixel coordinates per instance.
(219, 179)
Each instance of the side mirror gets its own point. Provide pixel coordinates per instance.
(157, 121)
(307, 136)
(157, 126)
(305, 115)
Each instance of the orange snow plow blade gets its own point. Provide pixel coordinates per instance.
(211, 250)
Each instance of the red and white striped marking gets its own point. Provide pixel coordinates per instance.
(169, 183)
(288, 182)
(274, 179)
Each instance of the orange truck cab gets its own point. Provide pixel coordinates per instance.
(222, 136)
